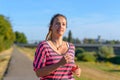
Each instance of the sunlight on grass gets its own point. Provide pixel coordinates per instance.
(4, 60)
(99, 71)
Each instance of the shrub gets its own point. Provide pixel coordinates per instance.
(106, 51)
(87, 56)
(115, 60)
(78, 51)
(100, 56)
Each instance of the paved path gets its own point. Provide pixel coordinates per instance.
(20, 68)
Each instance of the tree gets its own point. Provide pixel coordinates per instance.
(77, 41)
(106, 51)
(65, 38)
(20, 37)
(7, 36)
(85, 41)
(70, 36)
(71, 39)
(89, 41)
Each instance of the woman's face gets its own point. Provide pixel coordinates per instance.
(59, 26)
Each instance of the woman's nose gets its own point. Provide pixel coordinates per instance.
(60, 25)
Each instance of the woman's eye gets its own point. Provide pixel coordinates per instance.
(63, 24)
(57, 23)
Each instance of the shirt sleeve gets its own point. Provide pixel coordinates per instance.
(72, 53)
(39, 57)
(73, 47)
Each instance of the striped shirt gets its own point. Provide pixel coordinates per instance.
(45, 56)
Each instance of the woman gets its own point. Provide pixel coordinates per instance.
(54, 58)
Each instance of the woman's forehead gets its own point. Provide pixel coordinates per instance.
(60, 18)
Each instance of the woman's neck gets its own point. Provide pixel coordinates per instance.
(57, 41)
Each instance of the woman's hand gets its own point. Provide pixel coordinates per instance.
(77, 70)
(66, 59)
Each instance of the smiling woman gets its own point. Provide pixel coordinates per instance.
(54, 58)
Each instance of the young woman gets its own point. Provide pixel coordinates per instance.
(54, 58)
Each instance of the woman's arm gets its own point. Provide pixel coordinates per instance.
(48, 69)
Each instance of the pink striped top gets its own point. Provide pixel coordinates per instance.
(45, 56)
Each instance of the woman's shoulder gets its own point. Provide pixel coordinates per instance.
(42, 43)
(71, 45)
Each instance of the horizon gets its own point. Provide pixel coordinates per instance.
(86, 19)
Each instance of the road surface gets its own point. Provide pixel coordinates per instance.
(20, 67)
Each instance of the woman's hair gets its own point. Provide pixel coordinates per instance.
(49, 35)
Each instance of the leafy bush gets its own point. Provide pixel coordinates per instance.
(87, 56)
(106, 51)
(78, 51)
(7, 36)
(115, 60)
(20, 37)
(100, 56)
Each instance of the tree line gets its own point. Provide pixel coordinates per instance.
(7, 35)
(70, 38)
(98, 40)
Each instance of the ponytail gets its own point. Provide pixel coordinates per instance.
(49, 35)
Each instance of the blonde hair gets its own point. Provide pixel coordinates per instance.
(49, 34)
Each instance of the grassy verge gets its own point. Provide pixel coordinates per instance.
(99, 71)
(4, 60)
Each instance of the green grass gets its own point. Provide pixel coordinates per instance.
(99, 71)
(82, 78)
(104, 66)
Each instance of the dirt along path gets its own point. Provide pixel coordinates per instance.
(20, 67)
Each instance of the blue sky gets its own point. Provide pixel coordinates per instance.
(86, 18)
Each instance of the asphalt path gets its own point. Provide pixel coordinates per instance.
(20, 67)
